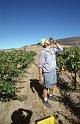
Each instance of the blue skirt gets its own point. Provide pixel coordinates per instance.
(50, 78)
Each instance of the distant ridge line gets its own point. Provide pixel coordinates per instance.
(70, 41)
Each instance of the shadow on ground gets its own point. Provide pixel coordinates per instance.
(36, 86)
(21, 116)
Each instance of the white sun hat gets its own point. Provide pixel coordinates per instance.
(43, 41)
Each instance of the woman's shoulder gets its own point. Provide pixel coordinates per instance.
(43, 52)
(53, 49)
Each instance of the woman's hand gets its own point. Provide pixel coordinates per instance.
(52, 40)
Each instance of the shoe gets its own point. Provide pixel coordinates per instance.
(47, 104)
(53, 97)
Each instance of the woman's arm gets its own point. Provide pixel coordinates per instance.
(59, 46)
(40, 65)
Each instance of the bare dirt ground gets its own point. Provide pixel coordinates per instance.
(32, 108)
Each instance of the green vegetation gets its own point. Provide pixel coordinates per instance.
(12, 63)
(70, 60)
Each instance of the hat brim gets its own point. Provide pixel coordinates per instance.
(45, 42)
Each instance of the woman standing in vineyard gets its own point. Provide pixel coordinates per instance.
(47, 68)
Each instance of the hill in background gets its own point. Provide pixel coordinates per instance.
(69, 41)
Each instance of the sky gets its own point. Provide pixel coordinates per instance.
(25, 22)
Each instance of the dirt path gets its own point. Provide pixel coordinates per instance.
(33, 106)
